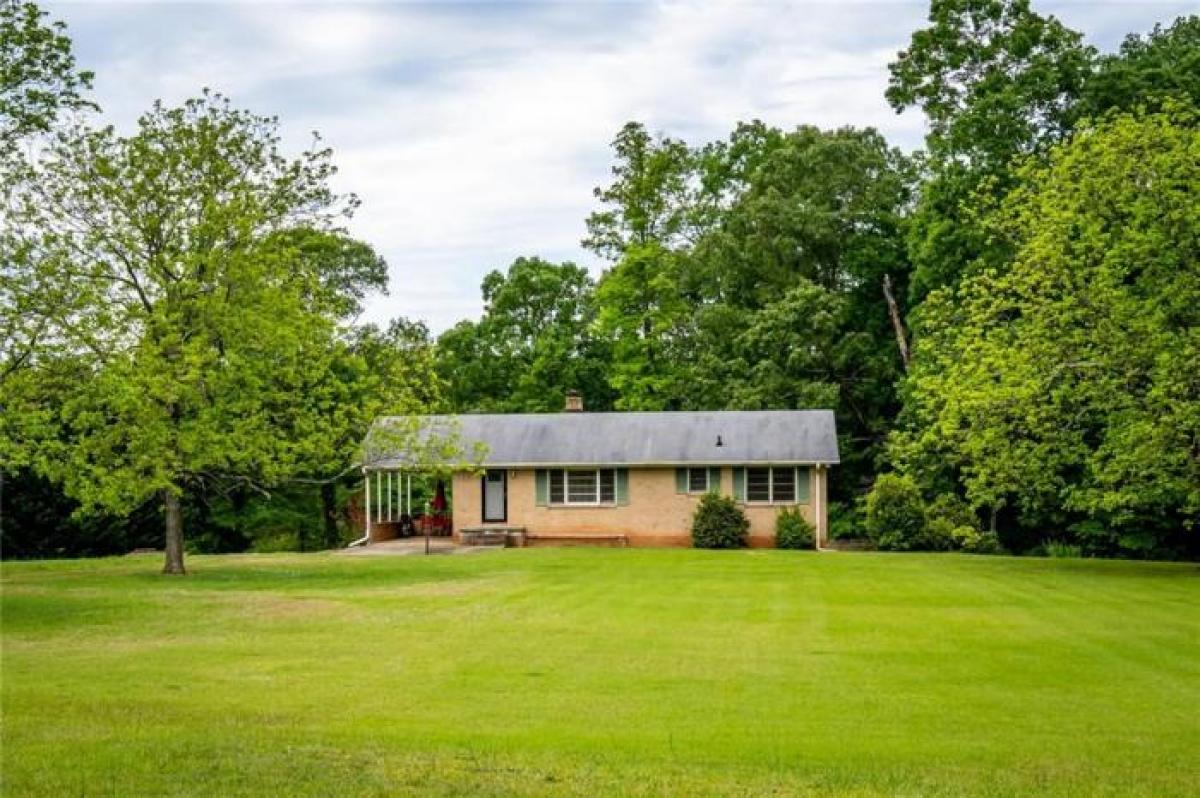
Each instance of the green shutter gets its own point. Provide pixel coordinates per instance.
(622, 486)
(714, 478)
(803, 484)
(541, 487)
(681, 480)
(739, 484)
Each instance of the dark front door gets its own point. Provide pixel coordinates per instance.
(495, 495)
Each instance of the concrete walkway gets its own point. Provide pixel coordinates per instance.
(405, 546)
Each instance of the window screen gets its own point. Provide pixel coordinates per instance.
(697, 480)
(581, 486)
(783, 484)
(758, 484)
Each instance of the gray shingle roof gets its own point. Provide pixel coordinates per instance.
(666, 438)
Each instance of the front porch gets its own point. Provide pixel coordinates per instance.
(389, 499)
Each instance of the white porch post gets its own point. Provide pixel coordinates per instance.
(820, 502)
(389, 494)
(367, 502)
(408, 494)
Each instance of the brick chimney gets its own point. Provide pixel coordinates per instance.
(574, 402)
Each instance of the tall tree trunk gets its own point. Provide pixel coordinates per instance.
(329, 512)
(174, 547)
(897, 321)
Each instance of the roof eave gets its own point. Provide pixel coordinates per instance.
(398, 464)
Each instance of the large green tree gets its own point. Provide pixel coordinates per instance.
(534, 342)
(644, 221)
(648, 199)
(1064, 388)
(371, 372)
(647, 320)
(993, 77)
(996, 81)
(792, 275)
(366, 373)
(178, 317)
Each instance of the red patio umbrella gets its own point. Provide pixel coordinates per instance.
(438, 505)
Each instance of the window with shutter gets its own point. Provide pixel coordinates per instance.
(771, 485)
(577, 486)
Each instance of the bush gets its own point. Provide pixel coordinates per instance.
(719, 523)
(972, 541)
(845, 521)
(1062, 549)
(954, 510)
(895, 516)
(940, 534)
(952, 524)
(985, 543)
(792, 530)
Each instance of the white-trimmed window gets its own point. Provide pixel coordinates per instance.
(576, 486)
(697, 480)
(771, 485)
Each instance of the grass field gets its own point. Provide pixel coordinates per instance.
(598, 672)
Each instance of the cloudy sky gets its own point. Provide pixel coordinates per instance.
(474, 132)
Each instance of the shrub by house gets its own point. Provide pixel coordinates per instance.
(719, 523)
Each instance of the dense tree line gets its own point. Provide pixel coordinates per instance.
(1054, 248)
(1006, 319)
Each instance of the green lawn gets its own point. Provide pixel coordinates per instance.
(596, 672)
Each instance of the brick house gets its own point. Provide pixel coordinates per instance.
(622, 478)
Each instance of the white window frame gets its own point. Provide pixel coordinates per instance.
(771, 485)
(566, 500)
(707, 481)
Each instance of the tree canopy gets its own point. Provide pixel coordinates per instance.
(535, 341)
(38, 76)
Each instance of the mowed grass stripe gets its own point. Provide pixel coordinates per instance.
(589, 671)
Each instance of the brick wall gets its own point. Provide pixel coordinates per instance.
(655, 516)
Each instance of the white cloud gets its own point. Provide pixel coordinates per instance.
(474, 133)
